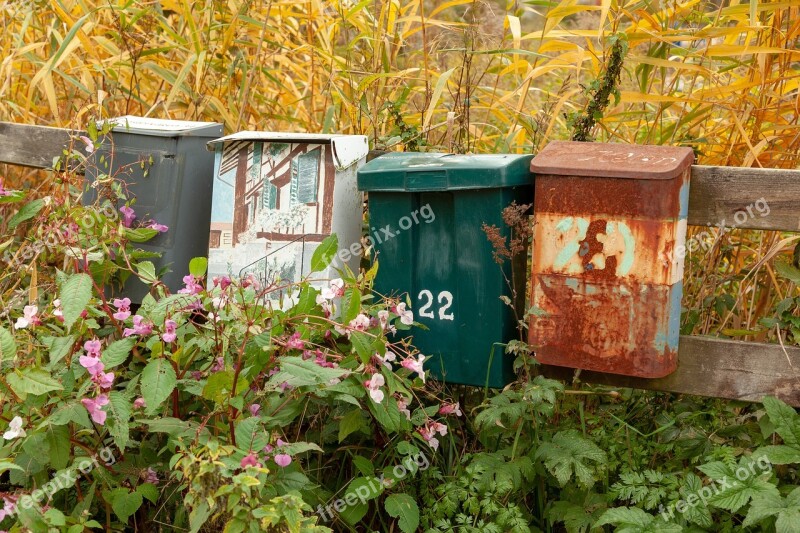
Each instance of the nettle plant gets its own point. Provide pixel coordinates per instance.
(230, 406)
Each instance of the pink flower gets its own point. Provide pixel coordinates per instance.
(128, 215)
(222, 281)
(387, 359)
(280, 442)
(123, 308)
(415, 366)
(322, 360)
(250, 280)
(450, 408)
(93, 347)
(360, 323)
(268, 448)
(104, 380)
(282, 460)
(9, 508)
(254, 409)
(139, 403)
(140, 327)
(327, 306)
(57, 312)
(429, 432)
(29, 317)
(92, 364)
(3, 192)
(295, 342)
(169, 331)
(250, 459)
(93, 405)
(151, 476)
(406, 317)
(402, 405)
(161, 228)
(219, 364)
(334, 289)
(191, 285)
(383, 319)
(88, 142)
(374, 384)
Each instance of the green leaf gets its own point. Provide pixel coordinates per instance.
(27, 212)
(351, 304)
(387, 414)
(174, 427)
(149, 491)
(140, 234)
(8, 346)
(146, 271)
(125, 503)
(198, 267)
(71, 412)
(119, 411)
(32, 381)
(738, 483)
(403, 507)
(786, 420)
(570, 454)
(250, 434)
(158, 382)
(76, 291)
(788, 271)
(350, 423)
(117, 352)
(363, 345)
(219, 386)
(58, 348)
(57, 438)
(779, 455)
(787, 511)
(298, 372)
(324, 253)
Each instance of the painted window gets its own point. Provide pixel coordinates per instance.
(305, 172)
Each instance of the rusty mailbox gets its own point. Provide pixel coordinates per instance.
(610, 226)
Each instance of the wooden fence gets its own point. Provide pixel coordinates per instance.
(707, 366)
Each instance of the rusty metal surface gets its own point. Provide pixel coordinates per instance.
(607, 283)
(571, 158)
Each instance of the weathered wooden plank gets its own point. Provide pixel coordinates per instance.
(736, 197)
(720, 368)
(31, 146)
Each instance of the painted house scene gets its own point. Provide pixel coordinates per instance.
(277, 196)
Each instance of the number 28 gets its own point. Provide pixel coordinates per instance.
(445, 300)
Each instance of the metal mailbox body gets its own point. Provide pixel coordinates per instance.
(440, 256)
(610, 221)
(166, 168)
(277, 196)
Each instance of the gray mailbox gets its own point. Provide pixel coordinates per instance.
(164, 164)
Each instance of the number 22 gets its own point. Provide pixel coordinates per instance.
(445, 297)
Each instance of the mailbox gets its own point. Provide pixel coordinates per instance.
(277, 196)
(164, 165)
(610, 228)
(426, 215)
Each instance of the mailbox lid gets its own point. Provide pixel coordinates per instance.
(612, 160)
(155, 127)
(413, 171)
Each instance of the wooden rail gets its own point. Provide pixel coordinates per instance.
(707, 366)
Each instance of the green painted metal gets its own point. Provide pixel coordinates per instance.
(426, 213)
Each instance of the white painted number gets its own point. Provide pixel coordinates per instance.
(423, 311)
(445, 297)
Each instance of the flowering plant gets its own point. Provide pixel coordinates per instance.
(198, 397)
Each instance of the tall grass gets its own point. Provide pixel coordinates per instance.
(459, 75)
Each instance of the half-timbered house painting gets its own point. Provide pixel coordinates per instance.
(277, 196)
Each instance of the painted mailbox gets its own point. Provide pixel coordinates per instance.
(610, 225)
(277, 196)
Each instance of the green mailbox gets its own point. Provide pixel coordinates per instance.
(426, 213)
